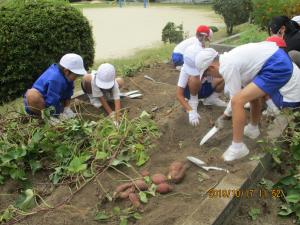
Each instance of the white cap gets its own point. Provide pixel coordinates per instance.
(74, 63)
(204, 59)
(105, 76)
(189, 65)
(296, 19)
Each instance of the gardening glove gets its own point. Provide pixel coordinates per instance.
(194, 118)
(228, 110)
(67, 114)
(113, 117)
(220, 122)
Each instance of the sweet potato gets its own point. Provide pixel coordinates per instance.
(158, 178)
(145, 173)
(126, 193)
(177, 172)
(123, 187)
(141, 184)
(134, 199)
(164, 188)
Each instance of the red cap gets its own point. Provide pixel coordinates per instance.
(278, 40)
(203, 30)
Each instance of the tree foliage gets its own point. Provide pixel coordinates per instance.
(35, 34)
(234, 12)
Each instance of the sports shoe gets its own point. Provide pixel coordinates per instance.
(247, 105)
(272, 109)
(251, 131)
(95, 101)
(214, 99)
(233, 153)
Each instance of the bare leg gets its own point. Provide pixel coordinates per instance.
(194, 84)
(249, 94)
(218, 84)
(35, 101)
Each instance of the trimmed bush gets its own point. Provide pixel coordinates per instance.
(264, 10)
(172, 33)
(35, 34)
(234, 12)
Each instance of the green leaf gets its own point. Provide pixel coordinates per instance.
(293, 198)
(137, 216)
(101, 155)
(26, 200)
(289, 180)
(285, 210)
(143, 197)
(296, 152)
(123, 221)
(17, 174)
(1, 179)
(35, 165)
(116, 162)
(254, 213)
(77, 165)
(142, 158)
(116, 211)
(267, 184)
(100, 216)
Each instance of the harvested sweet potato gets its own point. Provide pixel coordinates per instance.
(177, 171)
(135, 200)
(145, 173)
(141, 184)
(158, 178)
(164, 188)
(123, 187)
(126, 193)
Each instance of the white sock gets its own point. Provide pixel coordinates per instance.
(252, 127)
(194, 98)
(237, 145)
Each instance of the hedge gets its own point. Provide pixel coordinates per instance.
(33, 35)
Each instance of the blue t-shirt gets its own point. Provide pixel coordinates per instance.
(54, 87)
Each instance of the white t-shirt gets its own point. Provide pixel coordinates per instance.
(181, 47)
(113, 94)
(291, 90)
(184, 78)
(239, 66)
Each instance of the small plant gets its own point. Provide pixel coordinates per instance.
(254, 213)
(172, 33)
(234, 12)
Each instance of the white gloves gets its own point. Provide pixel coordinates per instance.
(194, 118)
(113, 117)
(220, 122)
(67, 114)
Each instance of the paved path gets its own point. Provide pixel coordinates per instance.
(121, 31)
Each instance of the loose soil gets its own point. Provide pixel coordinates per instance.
(178, 140)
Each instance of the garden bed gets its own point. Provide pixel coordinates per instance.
(178, 140)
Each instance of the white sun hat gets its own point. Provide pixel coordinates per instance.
(105, 76)
(74, 63)
(204, 59)
(296, 19)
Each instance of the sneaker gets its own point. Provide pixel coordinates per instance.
(271, 111)
(247, 105)
(251, 131)
(178, 68)
(214, 100)
(95, 101)
(235, 153)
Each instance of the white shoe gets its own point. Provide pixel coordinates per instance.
(214, 100)
(233, 153)
(178, 68)
(247, 105)
(272, 109)
(95, 101)
(251, 131)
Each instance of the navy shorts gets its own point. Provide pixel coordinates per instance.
(205, 91)
(177, 59)
(275, 73)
